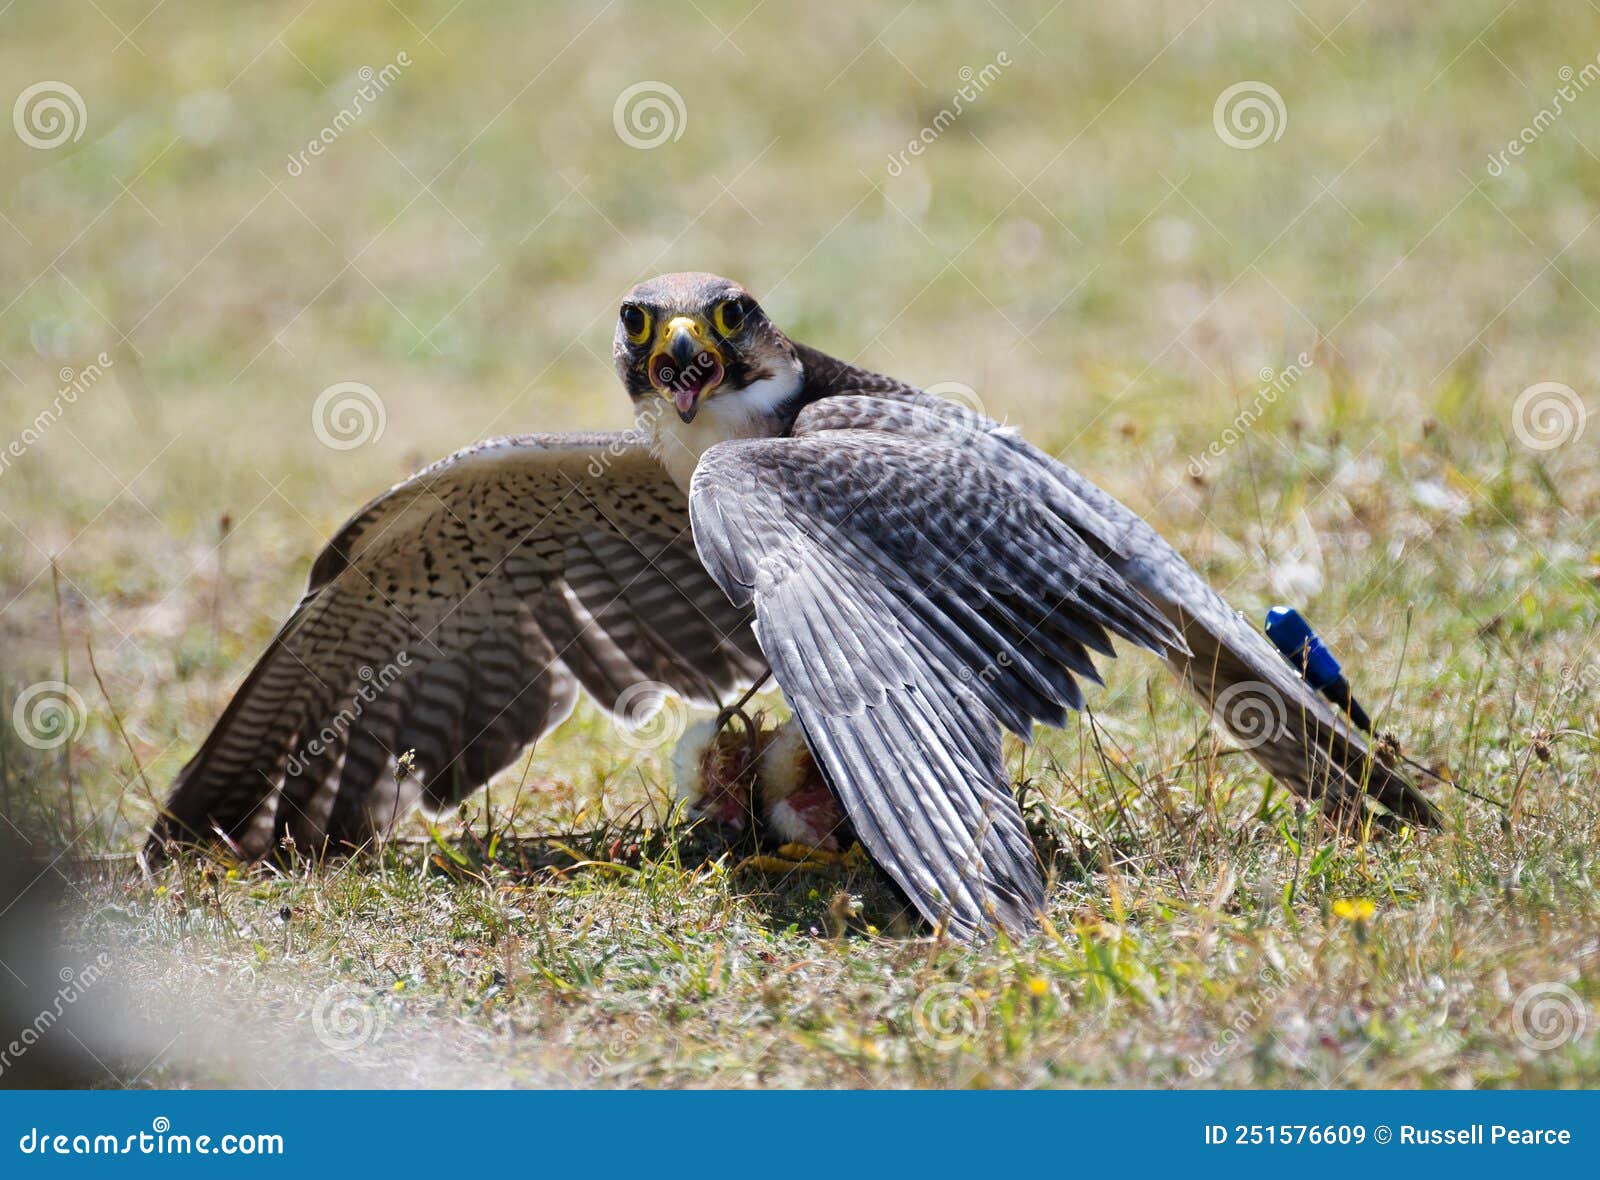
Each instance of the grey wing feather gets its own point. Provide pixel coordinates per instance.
(455, 616)
(1244, 683)
(910, 600)
(1230, 666)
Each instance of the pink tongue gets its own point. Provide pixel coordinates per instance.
(684, 399)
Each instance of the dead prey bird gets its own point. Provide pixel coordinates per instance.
(914, 576)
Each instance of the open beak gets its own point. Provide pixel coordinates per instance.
(686, 365)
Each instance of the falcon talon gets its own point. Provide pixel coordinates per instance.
(836, 516)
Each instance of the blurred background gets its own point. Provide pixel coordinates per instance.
(1272, 273)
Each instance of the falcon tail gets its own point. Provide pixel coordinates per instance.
(1273, 714)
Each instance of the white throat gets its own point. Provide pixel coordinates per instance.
(751, 412)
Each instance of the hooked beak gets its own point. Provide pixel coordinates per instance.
(686, 365)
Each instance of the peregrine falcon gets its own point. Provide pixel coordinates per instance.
(914, 576)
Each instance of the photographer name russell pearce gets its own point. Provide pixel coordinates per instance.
(1478, 1134)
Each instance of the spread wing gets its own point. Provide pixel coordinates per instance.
(1248, 688)
(455, 616)
(912, 596)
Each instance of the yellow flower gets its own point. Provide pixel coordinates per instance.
(1354, 909)
(399, 985)
(1038, 986)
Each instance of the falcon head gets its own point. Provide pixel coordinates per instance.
(687, 338)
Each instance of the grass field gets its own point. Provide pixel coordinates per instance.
(1304, 361)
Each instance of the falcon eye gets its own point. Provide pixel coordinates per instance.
(636, 323)
(731, 314)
